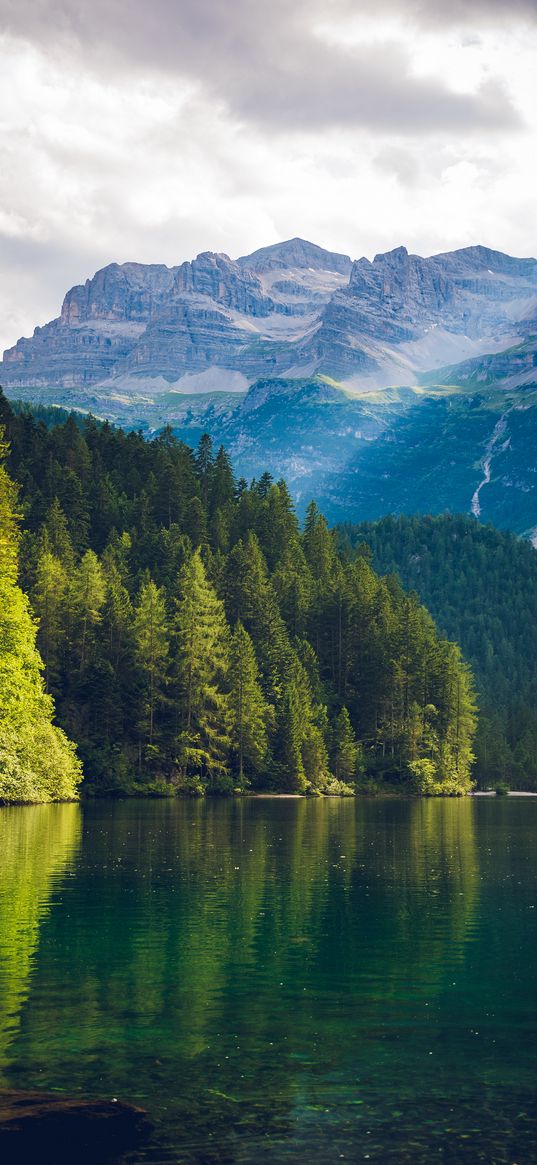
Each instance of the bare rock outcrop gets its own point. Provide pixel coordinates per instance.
(291, 309)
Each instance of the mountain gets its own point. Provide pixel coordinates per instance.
(402, 383)
(205, 319)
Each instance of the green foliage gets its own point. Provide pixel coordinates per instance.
(347, 753)
(250, 713)
(202, 636)
(480, 585)
(195, 640)
(151, 648)
(37, 762)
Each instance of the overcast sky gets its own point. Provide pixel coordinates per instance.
(153, 129)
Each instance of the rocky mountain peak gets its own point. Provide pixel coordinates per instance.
(482, 260)
(396, 257)
(296, 253)
(399, 281)
(224, 281)
(118, 292)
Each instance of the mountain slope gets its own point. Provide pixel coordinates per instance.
(401, 384)
(480, 584)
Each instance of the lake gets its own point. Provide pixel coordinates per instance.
(280, 980)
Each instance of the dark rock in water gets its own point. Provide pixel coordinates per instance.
(52, 1128)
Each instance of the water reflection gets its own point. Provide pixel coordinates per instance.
(37, 846)
(283, 978)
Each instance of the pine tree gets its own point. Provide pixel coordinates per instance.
(58, 540)
(49, 603)
(205, 465)
(249, 710)
(294, 588)
(319, 546)
(222, 483)
(347, 754)
(196, 522)
(250, 597)
(117, 614)
(151, 648)
(87, 596)
(289, 764)
(277, 525)
(202, 636)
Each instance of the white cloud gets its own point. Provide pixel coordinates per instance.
(152, 156)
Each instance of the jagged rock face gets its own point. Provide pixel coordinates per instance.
(100, 322)
(290, 310)
(403, 289)
(220, 279)
(128, 293)
(395, 303)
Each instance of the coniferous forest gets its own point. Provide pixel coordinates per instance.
(480, 585)
(194, 639)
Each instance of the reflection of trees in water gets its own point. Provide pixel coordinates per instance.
(223, 961)
(421, 867)
(37, 846)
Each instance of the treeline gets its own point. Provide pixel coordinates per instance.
(194, 638)
(480, 585)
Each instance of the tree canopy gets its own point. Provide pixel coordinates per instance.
(195, 639)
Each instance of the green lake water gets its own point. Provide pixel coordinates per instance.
(280, 980)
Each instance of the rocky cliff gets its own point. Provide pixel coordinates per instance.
(290, 310)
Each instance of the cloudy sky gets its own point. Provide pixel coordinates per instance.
(153, 129)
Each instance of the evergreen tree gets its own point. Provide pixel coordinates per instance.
(202, 636)
(87, 596)
(49, 603)
(249, 710)
(151, 647)
(222, 483)
(289, 764)
(196, 522)
(205, 466)
(56, 536)
(347, 754)
(318, 545)
(117, 614)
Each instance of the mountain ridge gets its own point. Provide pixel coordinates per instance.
(334, 372)
(291, 309)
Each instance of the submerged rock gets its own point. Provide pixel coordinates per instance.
(57, 1128)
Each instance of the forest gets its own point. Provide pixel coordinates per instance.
(194, 639)
(480, 585)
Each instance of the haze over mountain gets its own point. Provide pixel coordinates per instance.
(348, 377)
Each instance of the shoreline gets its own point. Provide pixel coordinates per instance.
(493, 793)
(247, 796)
